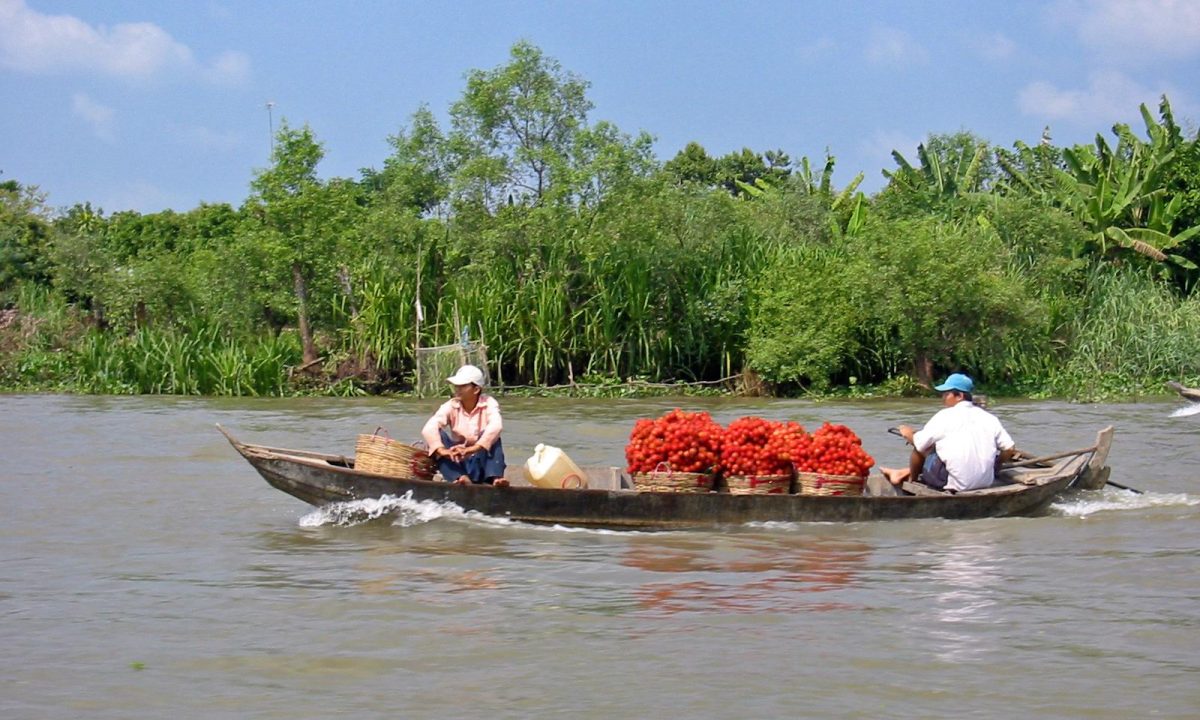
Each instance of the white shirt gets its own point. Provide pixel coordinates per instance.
(967, 439)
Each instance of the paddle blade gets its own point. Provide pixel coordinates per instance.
(1187, 410)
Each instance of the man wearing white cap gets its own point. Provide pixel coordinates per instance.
(959, 447)
(464, 434)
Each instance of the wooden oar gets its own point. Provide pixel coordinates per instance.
(1135, 491)
(1059, 456)
(1048, 458)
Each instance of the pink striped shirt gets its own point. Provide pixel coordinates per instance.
(482, 425)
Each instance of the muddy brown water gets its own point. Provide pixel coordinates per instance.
(146, 571)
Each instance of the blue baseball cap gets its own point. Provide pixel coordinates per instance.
(958, 382)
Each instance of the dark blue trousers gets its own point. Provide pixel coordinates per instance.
(482, 467)
(935, 474)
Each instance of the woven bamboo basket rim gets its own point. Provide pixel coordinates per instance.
(759, 484)
(380, 455)
(672, 481)
(814, 483)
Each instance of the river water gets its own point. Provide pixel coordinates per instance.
(146, 571)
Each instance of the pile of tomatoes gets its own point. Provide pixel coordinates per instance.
(683, 441)
(679, 441)
(748, 451)
(835, 450)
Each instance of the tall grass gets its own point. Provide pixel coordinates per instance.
(659, 293)
(1134, 334)
(178, 362)
(381, 332)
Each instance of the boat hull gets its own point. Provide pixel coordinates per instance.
(320, 479)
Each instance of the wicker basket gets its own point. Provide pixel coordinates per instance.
(380, 455)
(759, 484)
(666, 480)
(809, 483)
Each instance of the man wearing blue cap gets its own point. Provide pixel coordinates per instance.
(958, 448)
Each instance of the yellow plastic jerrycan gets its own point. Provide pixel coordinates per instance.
(551, 468)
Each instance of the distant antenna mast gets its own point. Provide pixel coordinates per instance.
(271, 124)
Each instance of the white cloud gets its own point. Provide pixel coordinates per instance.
(99, 117)
(56, 44)
(229, 68)
(1139, 30)
(1110, 96)
(889, 46)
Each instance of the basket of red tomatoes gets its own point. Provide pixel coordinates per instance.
(750, 464)
(676, 452)
(831, 461)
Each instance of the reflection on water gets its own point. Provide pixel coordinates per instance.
(965, 576)
(754, 575)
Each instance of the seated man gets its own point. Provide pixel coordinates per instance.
(464, 434)
(960, 447)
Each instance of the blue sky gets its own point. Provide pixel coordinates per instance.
(133, 104)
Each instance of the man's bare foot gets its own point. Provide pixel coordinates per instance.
(462, 480)
(895, 476)
(500, 482)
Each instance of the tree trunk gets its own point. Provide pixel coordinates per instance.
(348, 289)
(923, 370)
(306, 334)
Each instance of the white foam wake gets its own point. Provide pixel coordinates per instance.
(1187, 410)
(404, 511)
(1086, 504)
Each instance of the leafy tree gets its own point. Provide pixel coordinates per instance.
(804, 316)
(739, 169)
(804, 333)
(82, 218)
(81, 265)
(301, 222)
(603, 158)
(1182, 174)
(514, 127)
(417, 175)
(942, 294)
(692, 164)
(25, 230)
(129, 234)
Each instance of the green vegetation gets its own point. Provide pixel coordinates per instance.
(582, 260)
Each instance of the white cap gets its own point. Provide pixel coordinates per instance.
(467, 375)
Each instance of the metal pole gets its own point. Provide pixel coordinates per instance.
(271, 125)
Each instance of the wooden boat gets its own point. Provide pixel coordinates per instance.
(1184, 391)
(1025, 488)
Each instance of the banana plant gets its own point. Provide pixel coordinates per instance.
(848, 205)
(948, 168)
(1029, 171)
(1119, 193)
